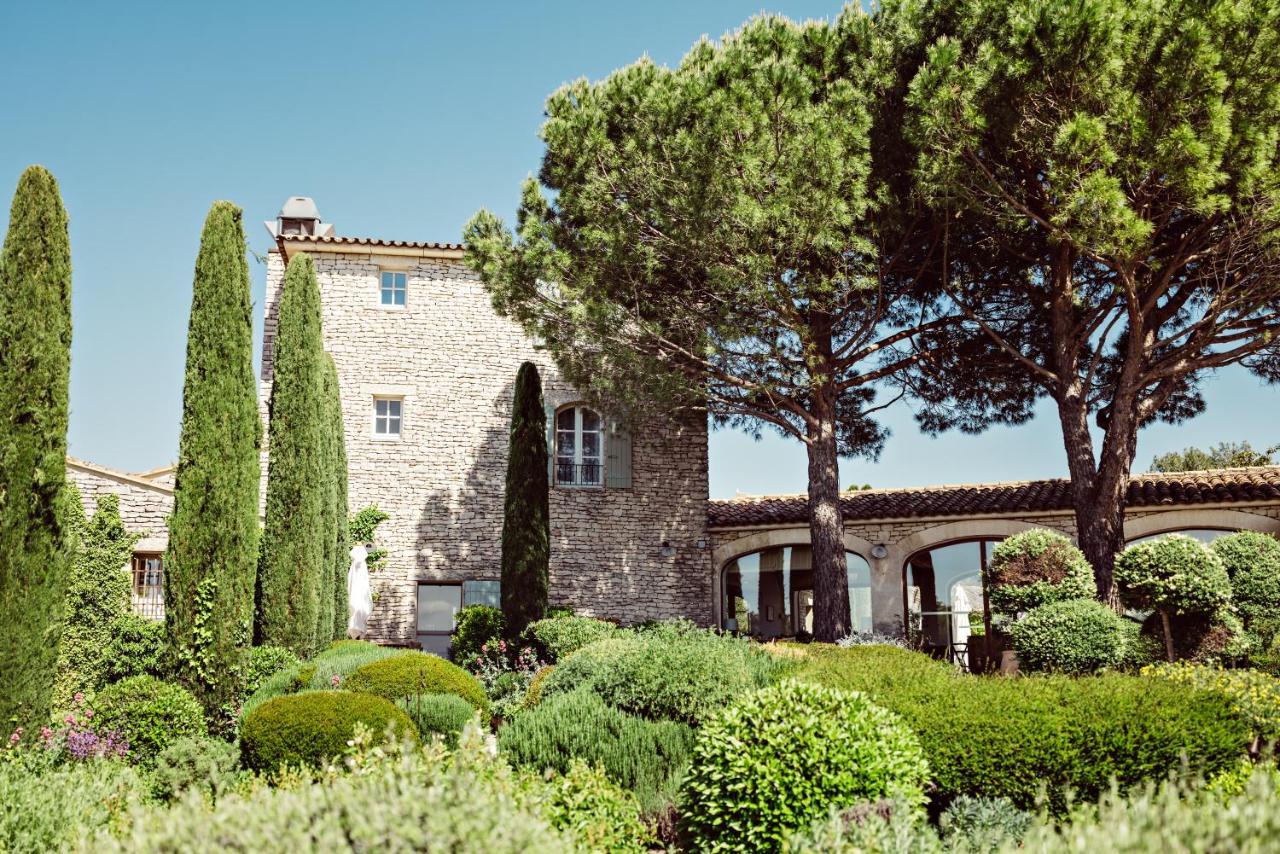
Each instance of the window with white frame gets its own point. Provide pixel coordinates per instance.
(388, 413)
(394, 287)
(579, 447)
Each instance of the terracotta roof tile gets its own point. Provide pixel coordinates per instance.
(372, 241)
(1032, 496)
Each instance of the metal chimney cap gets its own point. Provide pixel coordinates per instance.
(299, 207)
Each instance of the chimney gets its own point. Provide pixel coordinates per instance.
(299, 216)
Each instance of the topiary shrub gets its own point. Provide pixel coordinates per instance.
(149, 714)
(265, 662)
(533, 694)
(1035, 568)
(782, 757)
(438, 714)
(136, 648)
(674, 673)
(1252, 561)
(562, 635)
(417, 673)
(643, 756)
(474, 626)
(1173, 575)
(1013, 737)
(206, 764)
(1074, 636)
(307, 729)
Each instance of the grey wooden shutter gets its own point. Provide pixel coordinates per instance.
(617, 451)
(551, 442)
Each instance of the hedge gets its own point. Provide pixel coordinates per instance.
(988, 737)
(307, 729)
(417, 673)
(1075, 636)
(561, 636)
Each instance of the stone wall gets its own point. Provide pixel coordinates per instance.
(453, 361)
(144, 506)
(904, 537)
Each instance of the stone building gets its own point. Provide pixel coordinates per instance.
(426, 370)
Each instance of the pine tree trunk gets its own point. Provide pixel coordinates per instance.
(1168, 635)
(831, 618)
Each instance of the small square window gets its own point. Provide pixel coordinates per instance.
(394, 288)
(387, 416)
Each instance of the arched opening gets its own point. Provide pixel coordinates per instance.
(1204, 535)
(769, 593)
(944, 597)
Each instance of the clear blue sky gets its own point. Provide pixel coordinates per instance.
(401, 120)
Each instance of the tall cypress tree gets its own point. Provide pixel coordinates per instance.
(213, 533)
(338, 462)
(526, 528)
(35, 367)
(329, 446)
(293, 566)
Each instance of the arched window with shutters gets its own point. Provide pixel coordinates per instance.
(587, 449)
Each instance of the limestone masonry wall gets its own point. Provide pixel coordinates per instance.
(143, 508)
(453, 361)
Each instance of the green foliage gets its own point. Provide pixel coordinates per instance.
(417, 673)
(50, 809)
(526, 521)
(1253, 564)
(362, 527)
(562, 635)
(1011, 738)
(782, 757)
(136, 648)
(1168, 818)
(884, 827)
(203, 764)
(983, 824)
(1201, 638)
(339, 660)
(474, 626)
(464, 802)
(438, 714)
(310, 728)
(675, 673)
(211, 564)
(642, 756)
(293, 572)
(1255, 696)
(585, 803)
(36, 540)
(1223, 455)
(533, 694)
(265, 662)
(1034, 568)
(97, 595)
(149, 714)
(1175, 574)
(337, 521)
(1075, 636)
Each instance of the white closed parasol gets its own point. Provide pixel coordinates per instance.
(359, 596)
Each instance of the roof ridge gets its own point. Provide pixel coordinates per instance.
(119, 475)
(371, 241)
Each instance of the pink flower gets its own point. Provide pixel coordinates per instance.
(45, 733)
(78, 698)
(15, 736)
(88, 713)
(334, 680)
(71, 719)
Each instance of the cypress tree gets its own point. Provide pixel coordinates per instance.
(337, 433)
(329, 447)
(213, 534)
(526, 530)
(293, 555)
(35, 367)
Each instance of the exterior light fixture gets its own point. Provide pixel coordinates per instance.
(879, 551)
(667, 549)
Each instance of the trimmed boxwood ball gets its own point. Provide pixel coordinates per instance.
(307, 729)
(438, 714)
(563, 635)
(1034, 568)
(1253, 564)
(1076, 636)
(417, 673)
(149, 714)
(785, 756)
